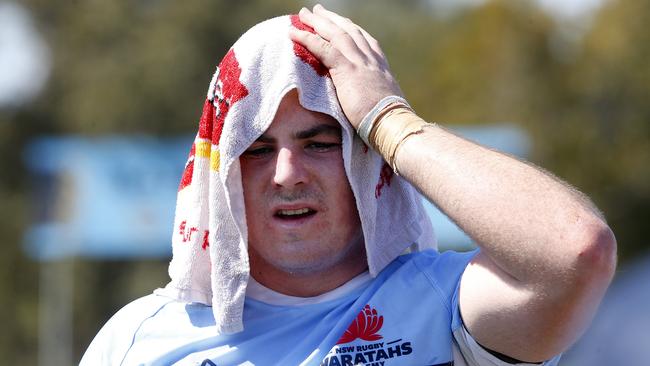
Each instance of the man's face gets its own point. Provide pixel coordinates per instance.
(300, 209)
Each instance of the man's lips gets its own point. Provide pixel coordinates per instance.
(294, 212)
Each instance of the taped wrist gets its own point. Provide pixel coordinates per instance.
(391, 126)
(371, 118)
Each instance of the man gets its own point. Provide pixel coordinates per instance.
(303, 229)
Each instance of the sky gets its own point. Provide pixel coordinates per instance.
(25, 57)
(569, 8)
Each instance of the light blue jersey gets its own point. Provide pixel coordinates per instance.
(408, 315)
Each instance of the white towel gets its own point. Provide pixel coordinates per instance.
(210, 256)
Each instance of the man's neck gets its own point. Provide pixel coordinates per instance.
(308, 283)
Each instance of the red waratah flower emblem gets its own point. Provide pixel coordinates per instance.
(365, 326)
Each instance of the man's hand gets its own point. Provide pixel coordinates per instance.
(355, 61)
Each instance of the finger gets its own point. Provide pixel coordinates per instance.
(320, 48)
(334, 17)
(347, 25)
(338, 19)
(323, 26)
(336, 35)
(372, 43)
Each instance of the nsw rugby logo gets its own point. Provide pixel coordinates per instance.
(361, 344)
(365, 326)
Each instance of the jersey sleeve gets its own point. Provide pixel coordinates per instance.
(467, 351)
(110, 345)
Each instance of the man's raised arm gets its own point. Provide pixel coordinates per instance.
(547, 254)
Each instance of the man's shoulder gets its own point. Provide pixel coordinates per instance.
(140, 309)
(116, 336)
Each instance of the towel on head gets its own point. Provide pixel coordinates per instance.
(210, 261)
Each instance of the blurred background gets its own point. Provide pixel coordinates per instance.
(99, 101)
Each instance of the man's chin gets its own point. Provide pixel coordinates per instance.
(321, 263)
(307, 266)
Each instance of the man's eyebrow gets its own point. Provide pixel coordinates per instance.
(266, 139)
(326, 129)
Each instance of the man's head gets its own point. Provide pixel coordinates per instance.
(301, 213)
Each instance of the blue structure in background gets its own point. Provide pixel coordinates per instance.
(110, 197)
(115, 197)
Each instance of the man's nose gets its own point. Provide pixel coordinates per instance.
(290, 169)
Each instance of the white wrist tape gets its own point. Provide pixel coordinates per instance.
(369, 120)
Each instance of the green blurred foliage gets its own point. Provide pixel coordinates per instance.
(602, 138)
(143, 67)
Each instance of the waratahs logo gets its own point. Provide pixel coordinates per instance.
(365, 326)
(361, 344)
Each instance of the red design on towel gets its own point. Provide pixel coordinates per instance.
(302, 52)
(227, 91)
(385, 176)
(205, 123)
(365, 326)
(186, 234)
(186, 180)
(206, 241)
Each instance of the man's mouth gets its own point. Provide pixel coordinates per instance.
(294, 214)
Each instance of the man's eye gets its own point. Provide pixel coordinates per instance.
(258, 152)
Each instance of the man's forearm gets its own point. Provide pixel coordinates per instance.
(521, 216)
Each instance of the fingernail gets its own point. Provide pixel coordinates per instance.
(304, 11)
